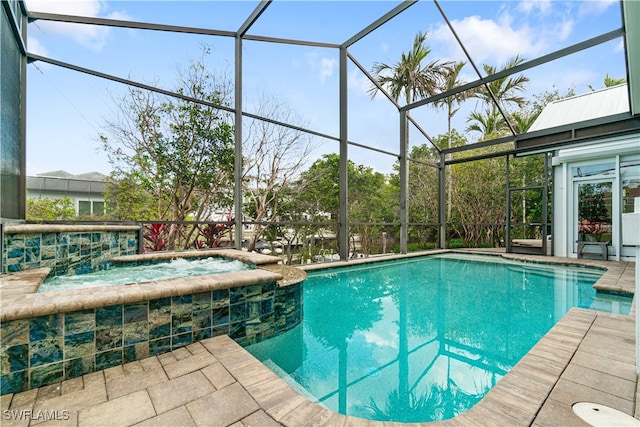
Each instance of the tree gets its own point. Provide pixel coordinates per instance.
(612, 81)
(489, 124)
(479, 196)
(506, 91)
(128, 199)
(410, 77)
(274, 156)
(369, 196)
(451, 80)
(179, 151)
(50, 209)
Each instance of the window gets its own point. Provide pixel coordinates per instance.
(84, 207)
(98, 208)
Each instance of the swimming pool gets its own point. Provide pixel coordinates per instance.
(145, 272)
(423, 339)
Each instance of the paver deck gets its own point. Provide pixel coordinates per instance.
(587, 356)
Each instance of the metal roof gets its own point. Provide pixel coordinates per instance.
(593, 105)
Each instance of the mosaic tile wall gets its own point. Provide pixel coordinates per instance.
(48, 349)
(66, 252)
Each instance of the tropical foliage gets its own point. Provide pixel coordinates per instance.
(50, 209)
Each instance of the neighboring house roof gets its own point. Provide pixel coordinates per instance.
(600, 103)
(90, 176)
(91, 183)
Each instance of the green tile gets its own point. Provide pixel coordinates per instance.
(45, 327)
(236, 295)
(180, 340)
(238, 312)
(77, 345)
(181, 322)
(45, 375)
(136, 312)
(109, 358)
(201, 334)
(108, 317)
(14, 382)
(159, 346)
(219, 298)
(14, 332)
(202, 319)
(14, 358)
(79, 366)
(135, 332)
(79, 321)
(108, 338)
(202, 301)
(45, 351)
(220, 316)
(135, 352)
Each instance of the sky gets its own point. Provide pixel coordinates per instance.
(67, 110)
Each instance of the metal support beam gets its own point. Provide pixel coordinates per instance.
(442, 211)
(89, 20)
(631, 16)
(343, 220)
(259, 10)
(404, 182)
(380, 21)
(507, 232)
(237, 165)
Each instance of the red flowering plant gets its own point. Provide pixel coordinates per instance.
(157, 236)
(212, 234)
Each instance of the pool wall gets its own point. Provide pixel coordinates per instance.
(66, 249)
(54, 336)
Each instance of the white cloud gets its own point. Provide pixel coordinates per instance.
(92, 37)
(565, 28)
(491, 42)
(327, 65)
(529, 6)
(34, 46)
(321, 65)
(596, 7)
(359, 83)
(578, 78)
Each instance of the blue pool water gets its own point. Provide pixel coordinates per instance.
(423, 339)
(175, 268)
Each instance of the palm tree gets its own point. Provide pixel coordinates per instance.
(410, 77)
(610, 81)
(451, 75)
(506, 91)
(489, 124)
(522, 120)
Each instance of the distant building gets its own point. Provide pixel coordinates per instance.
(86, 190)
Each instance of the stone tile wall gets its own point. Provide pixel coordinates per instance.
(65, 250)
(50, 348)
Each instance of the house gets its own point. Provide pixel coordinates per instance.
(596, 181)
(86, 190)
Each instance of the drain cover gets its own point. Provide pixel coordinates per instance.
(601, 416)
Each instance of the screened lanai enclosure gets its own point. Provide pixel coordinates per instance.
(331, 130)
